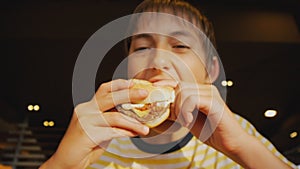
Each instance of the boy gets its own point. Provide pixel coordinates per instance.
(201, 131)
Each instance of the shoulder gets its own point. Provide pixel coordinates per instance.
(250, 129)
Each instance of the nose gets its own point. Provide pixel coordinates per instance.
(160, 59)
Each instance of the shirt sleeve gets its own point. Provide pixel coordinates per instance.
(252, 131)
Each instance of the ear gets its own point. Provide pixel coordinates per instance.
(214, 70)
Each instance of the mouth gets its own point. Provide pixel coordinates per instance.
(155, 75)
(153, 80)
(159, 78)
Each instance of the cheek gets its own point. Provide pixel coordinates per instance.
(135, 65)
(200, 73)
(192, 70)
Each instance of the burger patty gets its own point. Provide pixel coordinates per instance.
(144, 112)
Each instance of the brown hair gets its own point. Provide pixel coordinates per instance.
(179, 8)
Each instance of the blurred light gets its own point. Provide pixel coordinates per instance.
(270, 113)
(293, 134)
(229, 83)
(224, 83)
(36, 107)
(46, 123)
(51, 123)
(30, 107)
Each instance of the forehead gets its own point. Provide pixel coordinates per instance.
(164, 24)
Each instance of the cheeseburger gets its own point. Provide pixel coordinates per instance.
(154, 109)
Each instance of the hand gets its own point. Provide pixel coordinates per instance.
(201, 108)
(94, 125)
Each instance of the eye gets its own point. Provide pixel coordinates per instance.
(181, 47)
(141, 49)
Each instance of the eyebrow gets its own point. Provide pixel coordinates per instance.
(175, 34)
(181, 33)
(187, 35)
(142, 35)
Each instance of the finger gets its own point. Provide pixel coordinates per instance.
(179, 99)
(183, 86)
(128, 95)
(119, 120)
(186, 91)
(101, 135)
(186, 102)
(116, 85)
(204, 98)
(113, 99)
(188, 108)
(172, 115)
(118, 132)
(205, 105)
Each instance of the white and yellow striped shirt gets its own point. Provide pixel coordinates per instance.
(123, 154)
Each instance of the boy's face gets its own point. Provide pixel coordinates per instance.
(165, 48)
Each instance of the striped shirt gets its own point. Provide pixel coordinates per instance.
(122, 153)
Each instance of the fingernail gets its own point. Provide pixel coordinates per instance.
(146, 129)
(143, 92)
(130, 83)
(155, 84)
(189, 118)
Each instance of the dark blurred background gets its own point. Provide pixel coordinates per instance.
(258, 42)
